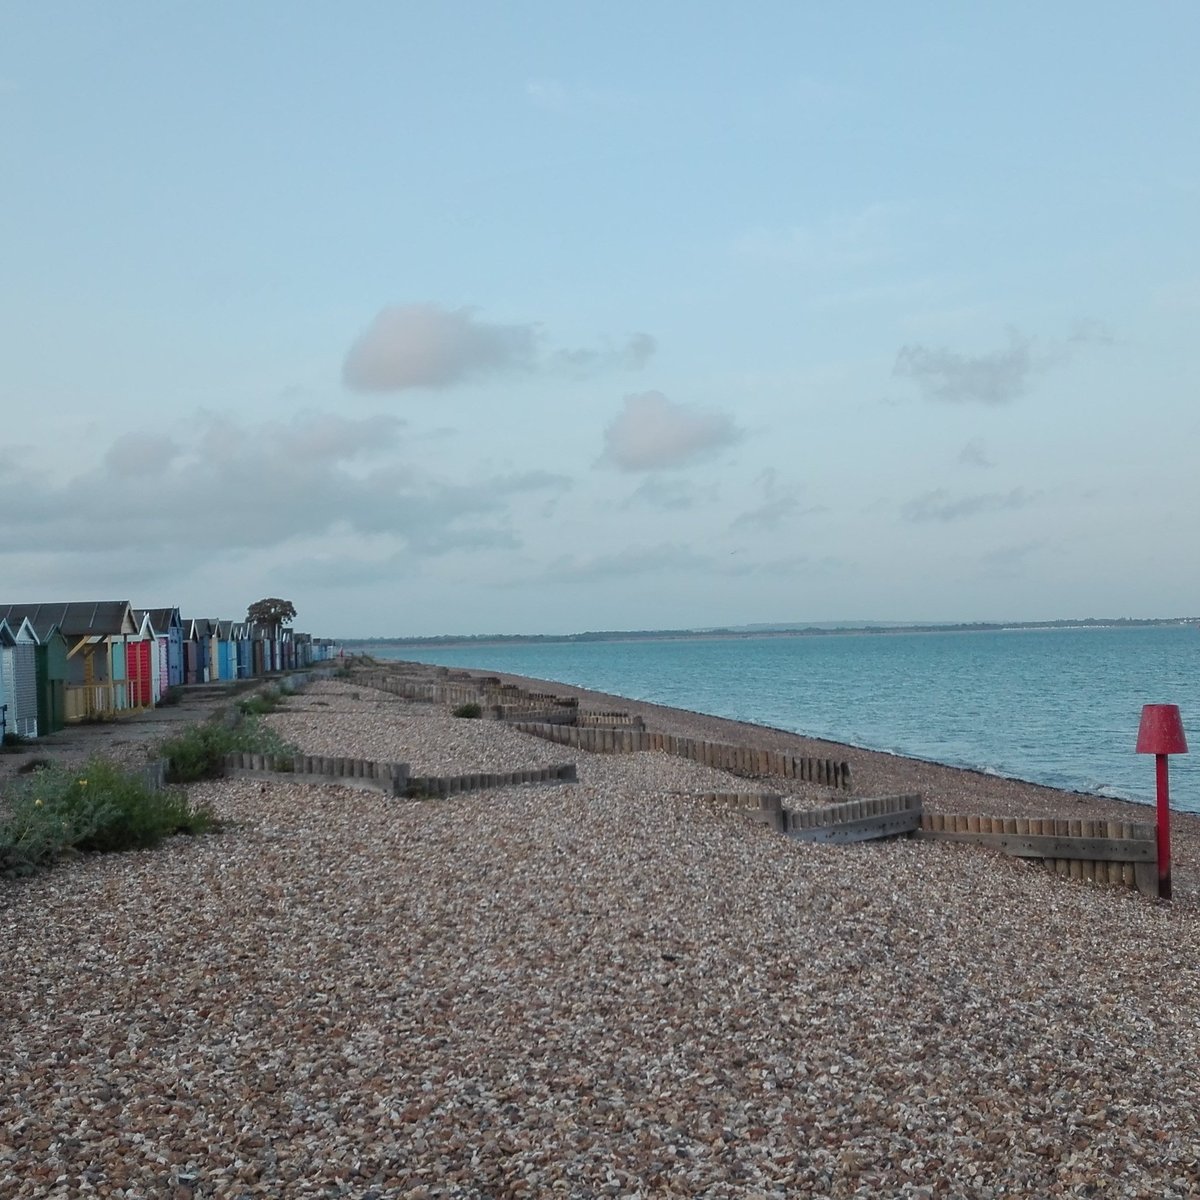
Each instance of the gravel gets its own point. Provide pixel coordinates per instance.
(604, 989)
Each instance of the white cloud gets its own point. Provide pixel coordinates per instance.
(671, 494)
(995, 377)
(634, 354)
(779, 502)
(939, 505)
(653, 433)
(973, 454)
(423, 346)
(137, 453)
(998, 377)
(231, 488)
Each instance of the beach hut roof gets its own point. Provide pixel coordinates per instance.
(91, 618)
(161, 619)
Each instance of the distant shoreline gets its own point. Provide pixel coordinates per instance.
(750, 633)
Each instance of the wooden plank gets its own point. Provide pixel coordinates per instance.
(1113, 869)
(1128, 877)
(1145, 876)
(1062, 866)
(863, 830)
(1064, 848)
(1075, 830)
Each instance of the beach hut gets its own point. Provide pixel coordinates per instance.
(195, 650)
(304, 647)
(226, 651)
(266, 650)
(287, 650)
(18, 680)
(210, 631)
(7, 704)
(52, 674)
(50, 657)
(243, 648)
(168, 632)
(141, 663)
(96, 634)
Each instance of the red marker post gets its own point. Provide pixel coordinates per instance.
(1160, 734)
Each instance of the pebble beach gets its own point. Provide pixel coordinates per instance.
(602, 988)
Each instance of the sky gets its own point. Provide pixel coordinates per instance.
(545, 317)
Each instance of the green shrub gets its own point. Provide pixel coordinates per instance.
(199, 752)
(470, 709)
(261, 703)
(100, 807)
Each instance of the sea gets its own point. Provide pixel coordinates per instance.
(1054, 706)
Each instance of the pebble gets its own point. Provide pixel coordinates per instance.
(606, 988)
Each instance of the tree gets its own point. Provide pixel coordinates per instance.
(271, 612)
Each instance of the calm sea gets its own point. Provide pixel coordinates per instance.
(1059, 707)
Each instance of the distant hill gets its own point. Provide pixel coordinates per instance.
(812, 629)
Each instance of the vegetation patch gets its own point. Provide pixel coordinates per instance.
(470, 710)
(261, 703)
(199, 752)
(34, 764)
(55, 811)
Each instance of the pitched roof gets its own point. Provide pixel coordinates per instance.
(91, 618)
(160, 618)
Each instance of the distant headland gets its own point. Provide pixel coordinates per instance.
(816, 629)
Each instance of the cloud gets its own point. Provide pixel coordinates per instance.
(939, 506)
(768, 515)
(1089, 332)
(974, 455)
(653, 433)
(528, 481)
(583, 363)
(996, 378)
(237, 488)
(423, 346)
(137, 453)
(671, 495)
(779, 503)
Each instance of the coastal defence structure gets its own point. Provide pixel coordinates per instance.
(723, 756)
(1117, 853)
(561, 720)
(1120, 853)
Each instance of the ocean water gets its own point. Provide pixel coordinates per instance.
(1059, 707)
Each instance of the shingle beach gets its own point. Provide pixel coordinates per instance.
(604, 988)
